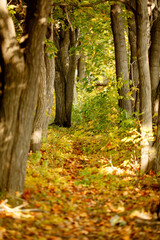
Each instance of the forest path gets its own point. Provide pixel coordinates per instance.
(84, 186)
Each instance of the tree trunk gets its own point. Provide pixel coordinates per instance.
(71, 78)
(134, 72)
(19, 85)
(62, 41)
(154, 69)
(81, 67)
(50, 77)
(65, 75)
(79, 74)
(154, 59)
(121, 57)
(155, 164)
(60, 93)
(40, 114)
(45, 97)
(142, 22)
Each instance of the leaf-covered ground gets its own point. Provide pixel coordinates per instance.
(83, 186)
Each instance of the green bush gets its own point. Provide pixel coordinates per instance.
(98, 111)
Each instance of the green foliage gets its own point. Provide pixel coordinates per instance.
(89, 176)
(17, 12)
(96, 41)
(35, 158)
(97, 114)
(95, 37)
(50, 48)
(98, 110)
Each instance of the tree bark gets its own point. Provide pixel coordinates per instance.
(142, 22)
(50, 77)
(19, 87)
(134, 72)
(154, 69)
(62, 41)
(40, 113)
(65, 74)
(154, 58)
(155, 164)
(45, 97)
(81, 67)
(71, 78)
(122, 73)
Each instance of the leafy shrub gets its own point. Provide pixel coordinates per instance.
(99, 111)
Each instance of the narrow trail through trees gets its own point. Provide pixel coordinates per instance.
(77, 190)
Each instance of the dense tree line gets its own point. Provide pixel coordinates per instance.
(19, 71)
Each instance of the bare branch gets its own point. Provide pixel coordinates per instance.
(67, 16)
(9, 2)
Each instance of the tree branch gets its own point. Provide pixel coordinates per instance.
(67, 16)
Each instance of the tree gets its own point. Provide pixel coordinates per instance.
(139, 54)
(19, 67)
(81, 67)
(142, 22)
(45, 93)
(50, 77)
(65, 40)
(154, 71)
(122, 73)
(40, 113)
(155, 160)
(154, 56)
(134, 71)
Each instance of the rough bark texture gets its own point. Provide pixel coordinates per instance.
(65, 75)
(12, 81)
(19, 81)
(154, 68)
(145, 84)
(62, 43)
(121, 57)
(134, 72)
(45, 97)
(81, 67)
(50, 76)
(154, 58)
(40, 113)
(156, 148)
(71, 79)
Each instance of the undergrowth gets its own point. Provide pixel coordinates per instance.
(84, 184)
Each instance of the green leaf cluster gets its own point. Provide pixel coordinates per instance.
(50, 48)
